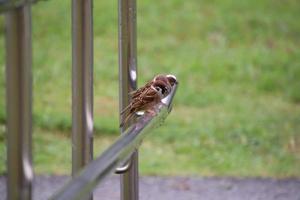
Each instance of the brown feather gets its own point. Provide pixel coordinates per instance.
(147, 96)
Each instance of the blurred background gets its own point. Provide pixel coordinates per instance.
(237, 110)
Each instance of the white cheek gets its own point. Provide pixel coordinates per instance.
(160, 94)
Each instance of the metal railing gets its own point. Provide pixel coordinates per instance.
(127, 82)
(119, 152)
(86, 173)
(19, 103)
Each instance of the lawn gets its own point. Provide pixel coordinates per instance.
(237, 110)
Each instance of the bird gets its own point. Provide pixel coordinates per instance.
(146, 97)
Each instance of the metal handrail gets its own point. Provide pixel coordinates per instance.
(119, 152)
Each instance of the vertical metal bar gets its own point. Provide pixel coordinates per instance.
(82, 84)
(128, 79)
(19, 103)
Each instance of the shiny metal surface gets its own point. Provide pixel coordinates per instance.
(127, 51)
(128, 83)
(124, 168)
(19, 103)
(82, 84)
(95, 172)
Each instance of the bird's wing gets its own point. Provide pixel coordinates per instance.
(149, 96)
(145, 100)
(138, 92)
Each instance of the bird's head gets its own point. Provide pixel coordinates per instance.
(162, 88)
(164, 83)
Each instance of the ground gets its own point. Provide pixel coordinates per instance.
(181, 188)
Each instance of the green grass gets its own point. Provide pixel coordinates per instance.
(237, 110)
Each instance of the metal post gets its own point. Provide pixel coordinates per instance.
(19, 103)
(128, 79)
(82, 84)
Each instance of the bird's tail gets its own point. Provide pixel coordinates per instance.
(126, 119)
(126, 109)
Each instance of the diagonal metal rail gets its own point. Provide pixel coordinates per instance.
(81, 185)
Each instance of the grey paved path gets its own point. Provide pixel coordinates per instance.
(180, 188)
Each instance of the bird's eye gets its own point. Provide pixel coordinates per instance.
(158, 89)
(165, 90)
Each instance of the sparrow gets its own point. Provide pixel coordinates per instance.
(146, 97)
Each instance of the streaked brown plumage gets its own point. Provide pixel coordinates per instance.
(144, 98)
